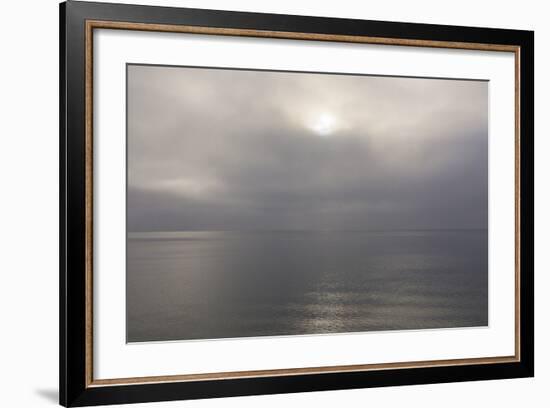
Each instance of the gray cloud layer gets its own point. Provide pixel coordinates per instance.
(212, 149)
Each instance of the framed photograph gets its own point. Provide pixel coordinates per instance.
(257, 203)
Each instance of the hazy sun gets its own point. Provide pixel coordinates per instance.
(323, 124)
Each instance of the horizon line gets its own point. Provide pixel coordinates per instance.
(316, 230)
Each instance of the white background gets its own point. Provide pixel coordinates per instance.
(29, 202)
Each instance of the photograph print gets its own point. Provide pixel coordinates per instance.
(276, 203)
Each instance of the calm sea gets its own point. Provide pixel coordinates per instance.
(204, 285)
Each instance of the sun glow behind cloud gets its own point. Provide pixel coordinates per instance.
(323, 124)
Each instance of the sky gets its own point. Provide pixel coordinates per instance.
(225, 149)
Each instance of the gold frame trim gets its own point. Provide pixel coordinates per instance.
(93, 24)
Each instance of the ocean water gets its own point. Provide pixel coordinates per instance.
(206, 285)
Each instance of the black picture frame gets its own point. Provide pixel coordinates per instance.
(75, 387)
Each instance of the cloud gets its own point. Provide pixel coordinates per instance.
(241, 150)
